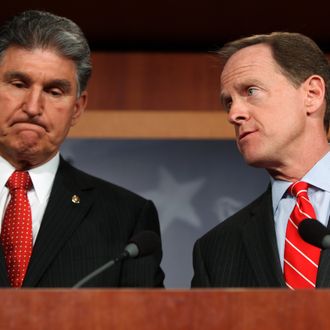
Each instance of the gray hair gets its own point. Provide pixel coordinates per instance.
(40, 29)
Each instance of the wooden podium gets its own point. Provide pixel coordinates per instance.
(158, 309)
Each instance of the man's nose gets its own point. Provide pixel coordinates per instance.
(238, 112)
(33, 103)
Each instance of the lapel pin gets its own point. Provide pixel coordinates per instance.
(75, 199)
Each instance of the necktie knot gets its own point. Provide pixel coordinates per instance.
(19, 180)
(298, 188)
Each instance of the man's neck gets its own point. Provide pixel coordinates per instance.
(294, 170)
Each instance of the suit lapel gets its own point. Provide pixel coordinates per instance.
(3, 271)
(62, 216)
(260, 239)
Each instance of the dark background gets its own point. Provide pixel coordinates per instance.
(183, 25)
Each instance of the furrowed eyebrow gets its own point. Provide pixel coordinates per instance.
(10, 75)
(239, 87)
(62, 84)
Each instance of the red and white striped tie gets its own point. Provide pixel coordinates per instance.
(301, 259)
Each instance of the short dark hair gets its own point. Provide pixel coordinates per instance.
(297, 55)
(40, 29)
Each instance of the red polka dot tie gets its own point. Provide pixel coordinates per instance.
(16, 232)
(301, 259)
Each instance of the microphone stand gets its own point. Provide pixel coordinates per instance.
(125, 254)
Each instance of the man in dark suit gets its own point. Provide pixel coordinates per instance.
(275, 89)
(79, 222)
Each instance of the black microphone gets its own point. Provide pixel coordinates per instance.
(142, 244)
(314, 232)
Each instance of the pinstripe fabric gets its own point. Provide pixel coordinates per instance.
(300, 258)
(241, 251)
(76, 238)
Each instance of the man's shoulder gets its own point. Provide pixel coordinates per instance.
(89, 181)
(235, 222)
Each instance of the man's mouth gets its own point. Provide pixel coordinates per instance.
(244, 134)
(28, 124)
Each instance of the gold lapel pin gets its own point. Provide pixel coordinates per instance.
(75, 199)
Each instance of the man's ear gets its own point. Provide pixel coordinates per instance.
(314, 87)
(79, 108)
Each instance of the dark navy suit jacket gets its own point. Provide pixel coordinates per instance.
(76, 238)
(242, 251)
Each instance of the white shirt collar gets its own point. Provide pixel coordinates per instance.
(317, 176)
(42, 176)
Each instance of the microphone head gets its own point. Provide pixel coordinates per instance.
(313, 232)
(143, 244)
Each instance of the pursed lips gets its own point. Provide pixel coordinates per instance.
(242, 135)
(25, 122)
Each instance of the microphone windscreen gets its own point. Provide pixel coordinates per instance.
(147, 243)
(313, 232)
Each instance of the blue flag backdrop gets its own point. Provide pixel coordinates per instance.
(195, 184)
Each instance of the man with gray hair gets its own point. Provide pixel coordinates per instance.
(58, 223)
(275, 88)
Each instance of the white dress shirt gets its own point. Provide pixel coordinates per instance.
(42, 179)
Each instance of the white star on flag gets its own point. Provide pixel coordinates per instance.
(173, 199)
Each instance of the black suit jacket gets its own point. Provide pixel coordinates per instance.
(76, 238)
(242, 251)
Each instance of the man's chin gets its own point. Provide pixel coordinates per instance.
(28, 150)
(253, 160)
(30, 135)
